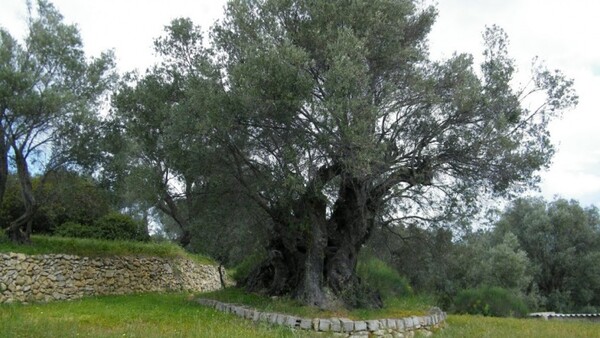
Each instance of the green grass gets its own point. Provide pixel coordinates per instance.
(177, 315)
(95, 248)
(491, 327)
(147, 316)
(394, 307)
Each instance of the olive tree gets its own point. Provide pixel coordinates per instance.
(49, 91)
(334, 121)
(561, 240)
(337, 122)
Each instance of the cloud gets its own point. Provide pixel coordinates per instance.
(596, 69)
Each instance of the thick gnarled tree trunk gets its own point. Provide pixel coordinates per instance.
(313, 257)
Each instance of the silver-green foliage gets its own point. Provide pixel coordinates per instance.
(334, 120)
(562, 242)
(49, 93)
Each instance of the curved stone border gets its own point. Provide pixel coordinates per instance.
(342, 326)
(565, 316)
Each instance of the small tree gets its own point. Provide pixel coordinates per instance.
(48, 93)
(161, 115)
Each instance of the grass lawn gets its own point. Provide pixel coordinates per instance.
(394, 308)
(489, 327)
(176, 315)
(147, 316)
(97, 248)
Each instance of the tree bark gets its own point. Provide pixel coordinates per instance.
(313, 258)
(3, 164)
(15, 231)
(350, 226)
(169, 206)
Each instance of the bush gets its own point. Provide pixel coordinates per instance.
(74, 229)
(376, 274)
(490, 301)
(116, 226)
(113, 226)
(241, 271)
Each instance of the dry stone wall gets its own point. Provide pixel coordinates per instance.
(42, 278)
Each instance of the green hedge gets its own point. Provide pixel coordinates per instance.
(113, 226)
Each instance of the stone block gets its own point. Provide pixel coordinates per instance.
(324, 324)
(336, 325)
(248, 314)
(291, 321)
(306, 324)
(390, 324)
(417, 322)
(373, 325)
(400, 325)
(281, 319)
(347, 324)
(360, 326)
(408, 323)
(264, 316)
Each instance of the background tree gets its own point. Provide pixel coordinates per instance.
(561, 239)
(48, 93)
(169, 160)
(434, 260)
(161, 115)
(336, 122)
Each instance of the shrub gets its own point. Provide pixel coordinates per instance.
(241, 271)
(376, 274)
(74, 229)
(113, 226)
(490, 301)
(116, 226)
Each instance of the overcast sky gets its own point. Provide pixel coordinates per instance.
(563, 33)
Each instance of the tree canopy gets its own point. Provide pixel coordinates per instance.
(562, 240)
(323, 120)
(49, 93)
(338, 122)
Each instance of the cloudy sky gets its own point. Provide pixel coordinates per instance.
(563, 33)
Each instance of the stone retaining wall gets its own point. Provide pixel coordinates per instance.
(42, 278)
(396, 328)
